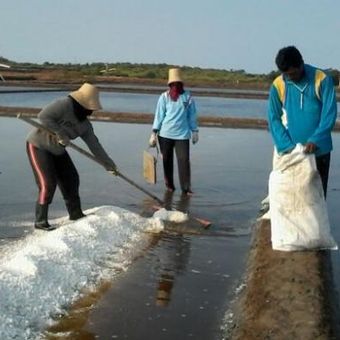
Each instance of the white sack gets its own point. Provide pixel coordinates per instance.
(298, 211)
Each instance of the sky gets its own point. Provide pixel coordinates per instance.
(222, 34)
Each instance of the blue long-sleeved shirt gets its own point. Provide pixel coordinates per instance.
(309, 118)
(175, 119)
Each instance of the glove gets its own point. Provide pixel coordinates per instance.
(63, 140)
(153, 140)
(113, 171)
(194, 137)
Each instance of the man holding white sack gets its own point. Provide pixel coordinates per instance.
(302, 112)
(302, 109)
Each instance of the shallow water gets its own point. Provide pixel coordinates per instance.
(145, 103)
(223, 167)
(184, 295)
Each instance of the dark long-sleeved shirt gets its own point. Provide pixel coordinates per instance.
(59, 117)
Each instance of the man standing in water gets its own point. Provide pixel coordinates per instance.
(302, 109)
(68, 119)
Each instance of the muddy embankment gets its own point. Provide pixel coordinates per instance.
(147, 118)
(223, 93)
(287, 295)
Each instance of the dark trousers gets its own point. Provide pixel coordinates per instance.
(322, 164)
(51, 170)
(182, 149)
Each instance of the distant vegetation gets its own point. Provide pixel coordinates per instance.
(151, 73)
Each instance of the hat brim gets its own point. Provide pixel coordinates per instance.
(92, 104)
(175, 81)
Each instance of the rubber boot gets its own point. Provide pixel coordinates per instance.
(41, 222)
(74, 209)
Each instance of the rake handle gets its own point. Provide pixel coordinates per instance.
(90, 156)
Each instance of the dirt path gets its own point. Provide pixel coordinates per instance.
(288, 295)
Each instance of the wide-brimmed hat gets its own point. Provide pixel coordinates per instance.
(174, 76)
(87, 96)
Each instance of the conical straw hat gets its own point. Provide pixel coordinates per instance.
(174, 75)
(87, 96)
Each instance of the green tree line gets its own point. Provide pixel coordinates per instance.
(153, 72)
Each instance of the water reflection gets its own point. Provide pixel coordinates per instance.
(182, 204)
(174, 255)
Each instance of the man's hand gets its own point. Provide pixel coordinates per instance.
(63, 140)
(194, 137)
(310, 147)
(153, 140)
(113, 171)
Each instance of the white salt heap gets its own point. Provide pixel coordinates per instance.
(172, 216)
(45, 272)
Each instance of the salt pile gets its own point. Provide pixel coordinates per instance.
(45, 272)
(172, 216)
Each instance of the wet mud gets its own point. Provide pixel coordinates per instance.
(147, 118)
(287, 295)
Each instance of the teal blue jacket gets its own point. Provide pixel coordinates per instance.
(303, 111)
(175, 119)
